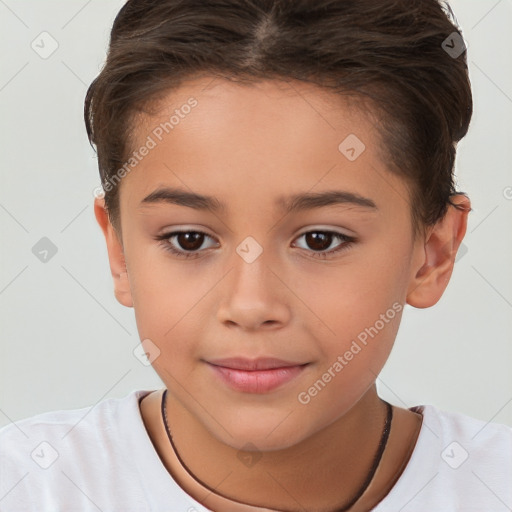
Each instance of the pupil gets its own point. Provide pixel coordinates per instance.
(188, 240)
(314, 238)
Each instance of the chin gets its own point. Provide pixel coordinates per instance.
(256, 441)
(260, 432)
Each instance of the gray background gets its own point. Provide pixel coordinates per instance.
(67, 343)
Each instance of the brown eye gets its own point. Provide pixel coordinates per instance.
(190, 240)
(186, 244)
(319, 243)
(319, 240)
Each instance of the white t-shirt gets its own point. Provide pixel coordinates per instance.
(102, 459)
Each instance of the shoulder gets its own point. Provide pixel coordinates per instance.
(458, 463)
(60, 424)
(50, 452)
(485, 439)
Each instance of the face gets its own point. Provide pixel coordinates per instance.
(269, 316)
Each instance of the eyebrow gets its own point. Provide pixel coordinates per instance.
(293, 203)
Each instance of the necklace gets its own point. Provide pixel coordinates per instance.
(368, 480)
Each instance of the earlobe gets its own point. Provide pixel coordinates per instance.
(436, 255)
(116, 257)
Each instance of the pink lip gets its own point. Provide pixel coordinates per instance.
(255, 375)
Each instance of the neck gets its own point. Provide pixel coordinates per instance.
(323, 472)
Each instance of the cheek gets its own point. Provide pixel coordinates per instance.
(351, 366)
(163, 290)
(360, 304)
(166, 305)
(351, 296)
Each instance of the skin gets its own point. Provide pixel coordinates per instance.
(248, 146)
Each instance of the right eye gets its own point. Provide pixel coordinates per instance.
(189, 240)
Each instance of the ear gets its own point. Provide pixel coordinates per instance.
(115, 255)
(435, 255)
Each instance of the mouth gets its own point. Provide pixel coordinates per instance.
(258, 376)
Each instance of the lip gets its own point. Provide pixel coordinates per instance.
(260, 375)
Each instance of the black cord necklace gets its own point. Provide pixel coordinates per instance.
(368, 480)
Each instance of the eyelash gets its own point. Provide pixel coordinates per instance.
(164, 239)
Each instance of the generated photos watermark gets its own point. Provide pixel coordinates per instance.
(152, 140)
(304, 397)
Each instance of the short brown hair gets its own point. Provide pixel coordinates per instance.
(389, 51)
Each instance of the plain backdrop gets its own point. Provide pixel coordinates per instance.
(67, 343)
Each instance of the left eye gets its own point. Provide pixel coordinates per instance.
(191, 241)
(322, 240)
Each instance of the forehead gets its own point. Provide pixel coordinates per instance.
(229, 139)
(260, 109)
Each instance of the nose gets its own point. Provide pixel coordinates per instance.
(254, 295)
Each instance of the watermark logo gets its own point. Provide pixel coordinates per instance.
(454, 455)
(44, 455)
(249, 455)
(454, 45)
(98, 192)
(44, 250)
(146, 352)
(45, 45)
(463, 250)
(149, 144)
(249, 249)
(304, 397)
(351, 147)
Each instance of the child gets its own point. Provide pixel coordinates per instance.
(235, 138)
